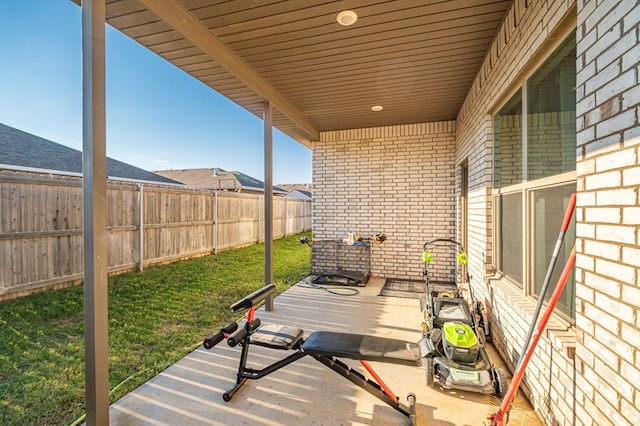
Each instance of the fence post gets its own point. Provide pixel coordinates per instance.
(140, 228)
(286, 216)
(258, 203)
(215, 222)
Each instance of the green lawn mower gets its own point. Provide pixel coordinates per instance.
(455, 331)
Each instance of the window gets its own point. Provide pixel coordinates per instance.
(534, 174)
(511, 236)
(507, 125)
(551, 115)
(548, 207)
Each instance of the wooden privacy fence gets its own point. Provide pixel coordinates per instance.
(41, 241)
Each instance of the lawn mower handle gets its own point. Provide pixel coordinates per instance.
(442, 240)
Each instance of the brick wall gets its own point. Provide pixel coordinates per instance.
(528, 32)
(608, 228)
(398, 180)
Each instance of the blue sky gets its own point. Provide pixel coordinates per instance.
(158, 117)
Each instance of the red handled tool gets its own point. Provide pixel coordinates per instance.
(543, 291)
(497, 419)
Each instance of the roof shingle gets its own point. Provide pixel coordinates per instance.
(22, 149)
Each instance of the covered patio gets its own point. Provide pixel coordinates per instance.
(305, 69)
(466, 119)
(190, 392)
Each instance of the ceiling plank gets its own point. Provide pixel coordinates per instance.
(186, 24)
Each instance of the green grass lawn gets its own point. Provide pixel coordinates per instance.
(155, 319)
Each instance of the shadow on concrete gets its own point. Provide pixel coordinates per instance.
(305, 392)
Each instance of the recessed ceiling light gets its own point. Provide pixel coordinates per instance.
(347, 17)
(376, 108)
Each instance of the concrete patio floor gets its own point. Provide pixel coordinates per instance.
(306, 392)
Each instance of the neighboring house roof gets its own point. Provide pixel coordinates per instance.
(199, 178)
(218, 179)
(298, 190)
(299, 194)
(290, 187)
(27, 151)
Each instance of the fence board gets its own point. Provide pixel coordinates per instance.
(41, 242)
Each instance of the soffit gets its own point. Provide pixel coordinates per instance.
(416, 58)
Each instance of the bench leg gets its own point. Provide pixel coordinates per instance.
(245, 373)
(229, 394)
(369, 385)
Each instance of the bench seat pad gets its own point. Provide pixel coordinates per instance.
(276, 336)
(363, 347)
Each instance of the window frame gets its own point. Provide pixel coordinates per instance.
(526, 187)
(559, 266)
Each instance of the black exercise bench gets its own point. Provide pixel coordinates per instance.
(324, 346)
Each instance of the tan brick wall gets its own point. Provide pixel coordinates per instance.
(398, 180)
(608, 229)
(367, 181)
(524, 36)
